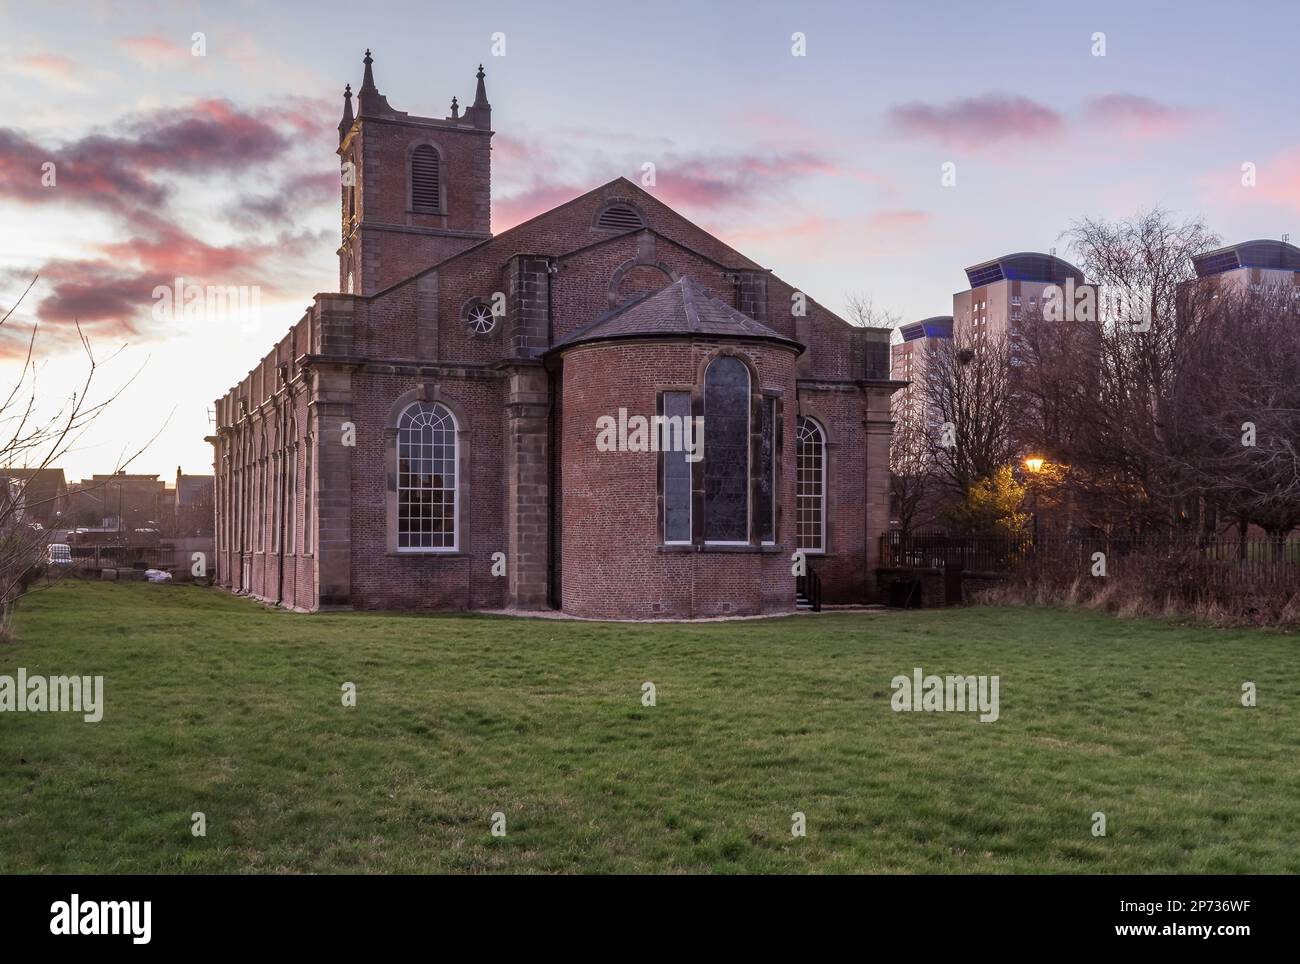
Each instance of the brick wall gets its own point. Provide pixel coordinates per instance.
(613, 563)
(388, 240)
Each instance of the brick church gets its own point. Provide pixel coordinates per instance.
(429, 437)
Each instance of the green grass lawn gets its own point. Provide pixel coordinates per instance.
(218, 705)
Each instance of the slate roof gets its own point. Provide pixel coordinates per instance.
(683, 308)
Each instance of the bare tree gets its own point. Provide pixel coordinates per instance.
(1234, 424)
(862, 310)
(911, 475)
(34, 440)
(970, 402)
(1112, 395)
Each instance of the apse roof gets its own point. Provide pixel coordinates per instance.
(684, 307)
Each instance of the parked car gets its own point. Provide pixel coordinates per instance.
(58, 554)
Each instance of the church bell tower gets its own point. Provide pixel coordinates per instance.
(414, 190)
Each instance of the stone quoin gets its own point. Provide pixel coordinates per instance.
(440, 412)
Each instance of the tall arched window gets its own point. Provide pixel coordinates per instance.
(308, 523)
(426, 478)
(263, 477)
(277, 493)
(426, 181)
(247, 475)
(810, 487)
(726, 451)
(292, 528)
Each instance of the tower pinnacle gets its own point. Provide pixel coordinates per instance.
(345, 124)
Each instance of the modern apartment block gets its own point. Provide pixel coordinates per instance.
(1263, 266)
(1004, 290)
(908, 357)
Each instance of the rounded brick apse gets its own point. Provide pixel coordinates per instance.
(654, 534)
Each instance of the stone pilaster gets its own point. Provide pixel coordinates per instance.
(751, 294)
(330, 407)
(879, 426)
(426, 316)
(529, 306)
(527, 489)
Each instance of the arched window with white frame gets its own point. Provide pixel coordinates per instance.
(427, 475)
(810, 486)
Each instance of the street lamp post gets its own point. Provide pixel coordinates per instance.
(1034, 464)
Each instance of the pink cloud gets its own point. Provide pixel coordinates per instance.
(697, 184)
(803, 229)
(1138, 117)
(152, 51)
(54, 69)
(881, 231)
(127, 176)
(978, 122)
(110, 295)
(530, 202)
(122, 173)
(1276, 182)
(711, 182)
(51, 63)
(288, 200)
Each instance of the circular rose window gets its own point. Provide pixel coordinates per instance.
(480, 320)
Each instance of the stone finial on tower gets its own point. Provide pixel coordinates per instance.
(480, 112)
(455, 109)
(368, 81)
(369, 100)
(345, 124)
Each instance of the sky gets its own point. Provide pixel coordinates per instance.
(855, 148)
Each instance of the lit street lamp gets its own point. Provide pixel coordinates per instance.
(1034, 464)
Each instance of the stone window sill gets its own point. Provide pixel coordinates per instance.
(425, 553)
(722, 549)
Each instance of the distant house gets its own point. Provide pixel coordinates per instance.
(192, 505)
(119, 501)
(44, 493)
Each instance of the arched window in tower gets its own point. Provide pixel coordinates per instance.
(726, 451)
(426, 186)
(810, 487)
(427, 452)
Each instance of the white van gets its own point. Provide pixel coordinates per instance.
(58, 554)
